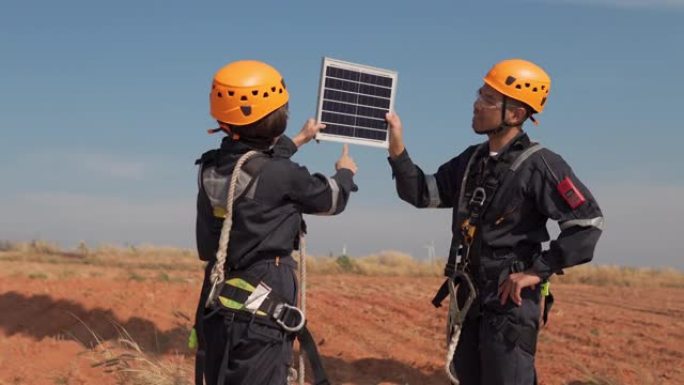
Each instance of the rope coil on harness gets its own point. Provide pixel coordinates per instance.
(218, 271)
(296, 376)
(451, 350)
(456, 317)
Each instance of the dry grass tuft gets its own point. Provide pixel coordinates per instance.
(36, 246)
(171, 264)
(131, 365)
(126, 360)
(591, 378)
(385, 263)
(598, 275)
(143, 251)
(146, 260)
(394, 263)
(84, 250)
(7, 246)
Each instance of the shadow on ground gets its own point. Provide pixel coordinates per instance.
(41, 316)
(376, 370)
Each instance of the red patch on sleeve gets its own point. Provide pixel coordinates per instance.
(570, 193)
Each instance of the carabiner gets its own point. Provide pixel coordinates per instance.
(281, 309)
(479, 197)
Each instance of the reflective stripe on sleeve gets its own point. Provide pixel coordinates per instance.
(593, 222)
(433, 191)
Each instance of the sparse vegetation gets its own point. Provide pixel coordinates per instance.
(346, 264)
(44, 247)
(623, 276)
(169, 264)
(61, 380)
(99, 286)
(134, 276)
(125, 359)
(592, 378)
(140, 259)
(37, 276)
(83, 249)
(7, 246)
(385, 263)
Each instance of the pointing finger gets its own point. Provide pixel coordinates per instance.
(345, 150)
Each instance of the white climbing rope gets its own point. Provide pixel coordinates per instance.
(456, 317)
(451, 350)
(302, 299)
(218, 271)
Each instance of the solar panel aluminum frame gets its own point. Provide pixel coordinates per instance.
(365, 69)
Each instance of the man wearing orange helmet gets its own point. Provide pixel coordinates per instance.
(502, 193)
(249, 218)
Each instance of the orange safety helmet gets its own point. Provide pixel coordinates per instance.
(521, 80)
(245, 91)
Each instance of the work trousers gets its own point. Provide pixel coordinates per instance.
(498, 343)
(258, 353)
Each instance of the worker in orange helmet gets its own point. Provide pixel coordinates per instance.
(250, 208)
(502, 192)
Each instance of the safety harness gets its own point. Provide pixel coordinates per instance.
(236, 295)
(472, 206)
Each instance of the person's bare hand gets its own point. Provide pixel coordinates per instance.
(514, 284)
(396, 139)
(346, 161)
(308, 132)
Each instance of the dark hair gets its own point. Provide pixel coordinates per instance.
(514, 103)
(261, 133)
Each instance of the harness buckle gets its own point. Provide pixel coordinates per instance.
(478, 198)
(279, 313)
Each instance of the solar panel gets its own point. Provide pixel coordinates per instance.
(352, 102)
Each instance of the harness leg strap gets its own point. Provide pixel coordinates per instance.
(441, 294)
(226, 353)
(309, 346)
(200, 354)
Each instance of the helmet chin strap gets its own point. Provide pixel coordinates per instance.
(226, 130)
(503, 126)
(251, 142)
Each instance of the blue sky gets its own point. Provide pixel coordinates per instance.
(104, 107)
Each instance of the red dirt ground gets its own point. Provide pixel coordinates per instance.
(371, 330)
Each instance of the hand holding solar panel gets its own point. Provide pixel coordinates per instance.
(309, 130)
(352, 102)
(396, 136)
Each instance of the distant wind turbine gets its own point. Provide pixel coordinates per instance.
(431, 251)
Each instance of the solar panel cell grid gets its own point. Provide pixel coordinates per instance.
(341, 96)
(353, 102)
(375, 79)
(373, 102)
(372, 112)
(375, 91)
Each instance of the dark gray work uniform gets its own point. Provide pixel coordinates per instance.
(498, 342)
(267, 219)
